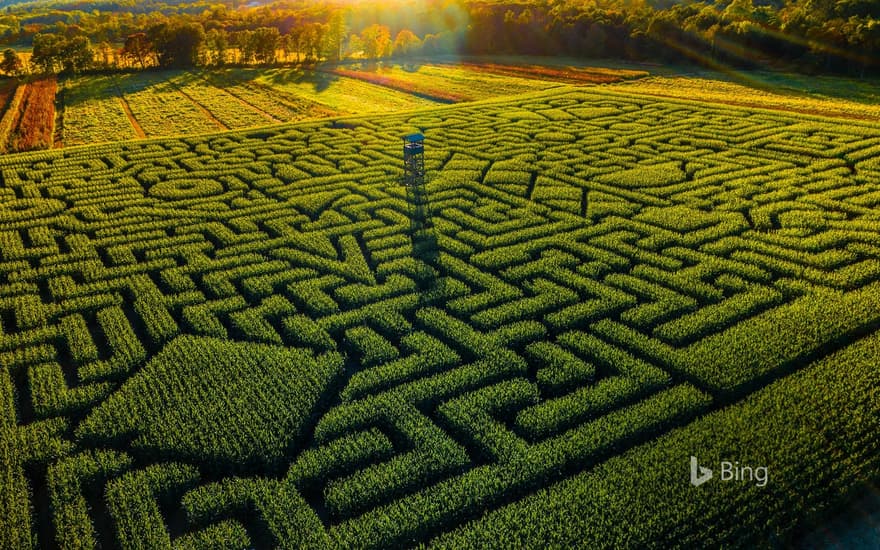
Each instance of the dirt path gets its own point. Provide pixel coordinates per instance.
(201, 107)
(253, 107)
(125, 107)
(243, 101)
(58, 130)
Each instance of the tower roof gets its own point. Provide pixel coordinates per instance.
(411, 138)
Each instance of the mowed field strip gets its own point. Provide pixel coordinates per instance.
(763, 95)
(261, 339)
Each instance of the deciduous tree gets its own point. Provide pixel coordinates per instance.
(46, 56)
(406, 43)
(265, 44)
(177, 44)
(77, 55)
(376, 40)
(138, 49)
(11, 63)
(336, 30)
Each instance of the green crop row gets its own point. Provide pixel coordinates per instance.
(434, 454)
(253, 323)
(302, 330)
(226, 535)
(687, 282)
(459, 332)
(616, 242)
(663, 302)
(126, 349)
(227, 108)
(160, 325)
(428, 355)
(496, 289)
(359, 294)
(372, 348)
(633, 500)
(558, 369)
(732, 359)
(339, 457)
(417, 516)
(66, 480)
(473, 415)
(518, 334)
(202, 318)
(50, 395)
(282, 107)
(209, 503)
(711, 318)
(311, 296)
(133, 503)
(547, 296)
(388, 309)
(161, 109)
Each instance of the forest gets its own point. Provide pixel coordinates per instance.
(828, 36)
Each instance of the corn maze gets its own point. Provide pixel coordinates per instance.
(240, 340)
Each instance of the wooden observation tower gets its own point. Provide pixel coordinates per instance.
(414, 181)
(414, 160)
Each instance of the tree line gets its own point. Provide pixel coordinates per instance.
(812, 35)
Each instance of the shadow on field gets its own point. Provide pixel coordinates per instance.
(189, 78)
(145, 80)
(85, 88)
(319, 79)
(425, 245)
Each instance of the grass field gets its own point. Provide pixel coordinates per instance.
(448, 83)
(261, 338)
(346, 95)
(825, 97)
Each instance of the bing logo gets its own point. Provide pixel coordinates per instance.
(729, 471)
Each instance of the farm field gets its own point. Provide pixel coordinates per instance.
(94, 111)
(97, 109)
(118, 107)
(770, 92)
(28, 121)
(448, 83)
(101, 108)
(260, 338)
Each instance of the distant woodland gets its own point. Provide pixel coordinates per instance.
(841, 36)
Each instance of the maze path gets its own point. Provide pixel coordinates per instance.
(573, 300)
